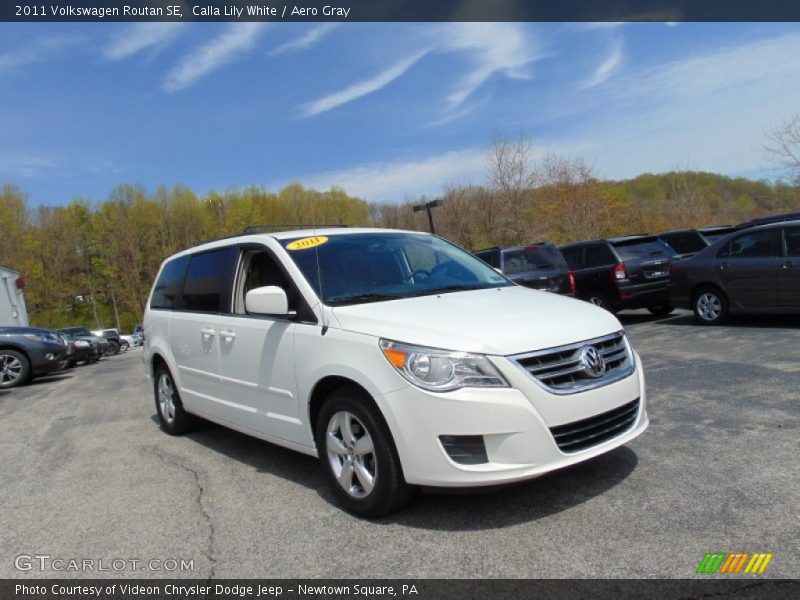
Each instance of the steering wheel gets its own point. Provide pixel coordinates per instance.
(413, 274)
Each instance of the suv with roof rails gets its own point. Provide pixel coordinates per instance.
(621, 273)
(684, 242)
(395, 357)
(538, 266)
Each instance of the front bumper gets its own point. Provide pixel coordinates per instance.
(47, 357)
(514, 423)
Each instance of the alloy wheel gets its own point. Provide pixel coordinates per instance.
(166, 398)
(351, 454)
(709, 306)
(10, 369)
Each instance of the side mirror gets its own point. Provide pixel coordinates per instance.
(268, 300)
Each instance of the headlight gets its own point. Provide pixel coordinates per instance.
(81, 344)
(441, 370)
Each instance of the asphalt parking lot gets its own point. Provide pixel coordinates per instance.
(88, 474)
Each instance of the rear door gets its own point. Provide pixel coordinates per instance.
(257, 353)
(747, 267)
(194, 330)
(789, 269)
(599, 261)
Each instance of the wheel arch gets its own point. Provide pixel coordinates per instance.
(695, 291)
(324, 388)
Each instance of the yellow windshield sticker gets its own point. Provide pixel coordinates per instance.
(306, 243)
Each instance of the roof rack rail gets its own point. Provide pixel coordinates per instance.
(288, 227)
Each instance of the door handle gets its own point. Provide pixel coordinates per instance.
(207, 331)
(228, 334)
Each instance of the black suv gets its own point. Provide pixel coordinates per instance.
(685, 242)
(538, 266)
(108, 345)
(623, 272)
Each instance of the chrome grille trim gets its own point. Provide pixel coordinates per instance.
(558, 370)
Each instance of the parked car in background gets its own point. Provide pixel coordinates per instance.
(684, 242)
(622, 273)
(779, 218)
(88, 349)
(13, 312)
(26, 352)
(113, 338)
(397, 358)
(717, 232)
(130, 341)
(139, 330)
(105, 346)
(755, 270)
(538, 266)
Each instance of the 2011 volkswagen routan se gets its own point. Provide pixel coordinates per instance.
(397, 358)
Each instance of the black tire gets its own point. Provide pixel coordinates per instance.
(15, 369)
(113, 348)
(661, 310)
(71, 363)
(124, 346)
(180, 422)
(390, 491)
(710, 306)
(600, 300)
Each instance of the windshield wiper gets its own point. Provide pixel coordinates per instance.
(358, 298)
(456, 287)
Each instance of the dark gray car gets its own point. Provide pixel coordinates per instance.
(539, 266)
(26, 352)
(755, 270)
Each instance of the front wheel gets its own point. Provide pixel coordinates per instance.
(358, 455)
(710, 306)
(660, 310)
(124, 346)
(15, 369)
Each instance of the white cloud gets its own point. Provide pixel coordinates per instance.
(608, 66)
(394, 180)
(40, 49)
(142, 36)
(25, 165)
(235, 40)
(494, 48)
(709, 110)
(304, 42)
(362, 88)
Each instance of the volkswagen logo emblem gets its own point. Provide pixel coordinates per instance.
(591, 361)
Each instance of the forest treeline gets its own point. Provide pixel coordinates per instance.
(92, 263)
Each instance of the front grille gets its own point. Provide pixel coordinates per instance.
(566, 369)
(583, 434)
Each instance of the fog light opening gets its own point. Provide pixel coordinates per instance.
(465, 449)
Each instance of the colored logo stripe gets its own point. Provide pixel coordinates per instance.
(733, 562)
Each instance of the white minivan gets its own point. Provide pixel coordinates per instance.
(396, 357)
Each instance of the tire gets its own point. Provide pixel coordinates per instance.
(15, 369)
(661, 310)
(375, 464)
(173, 419)
(71, 363)
(113, 348)
(124, 346)
(710, 306)
(600, 300)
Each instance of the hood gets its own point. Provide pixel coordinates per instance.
(499, 321)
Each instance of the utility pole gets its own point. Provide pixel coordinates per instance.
(427, 206)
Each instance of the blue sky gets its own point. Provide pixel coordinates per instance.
(387, 111)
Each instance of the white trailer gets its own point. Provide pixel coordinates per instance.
(13, 312)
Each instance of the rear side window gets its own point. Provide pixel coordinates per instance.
(645, 248)
(599, 255)
(490, 257)
(686, 242)
(792, 241)
(573, 256)
(757, 244)
(168, 286)
(533, 258)
(207, 287)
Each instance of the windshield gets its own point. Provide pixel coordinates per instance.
(532, 258)
(643, 248)
(370, 267)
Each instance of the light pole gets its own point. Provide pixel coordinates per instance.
(427, 206)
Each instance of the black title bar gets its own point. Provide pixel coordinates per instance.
(401, 10)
